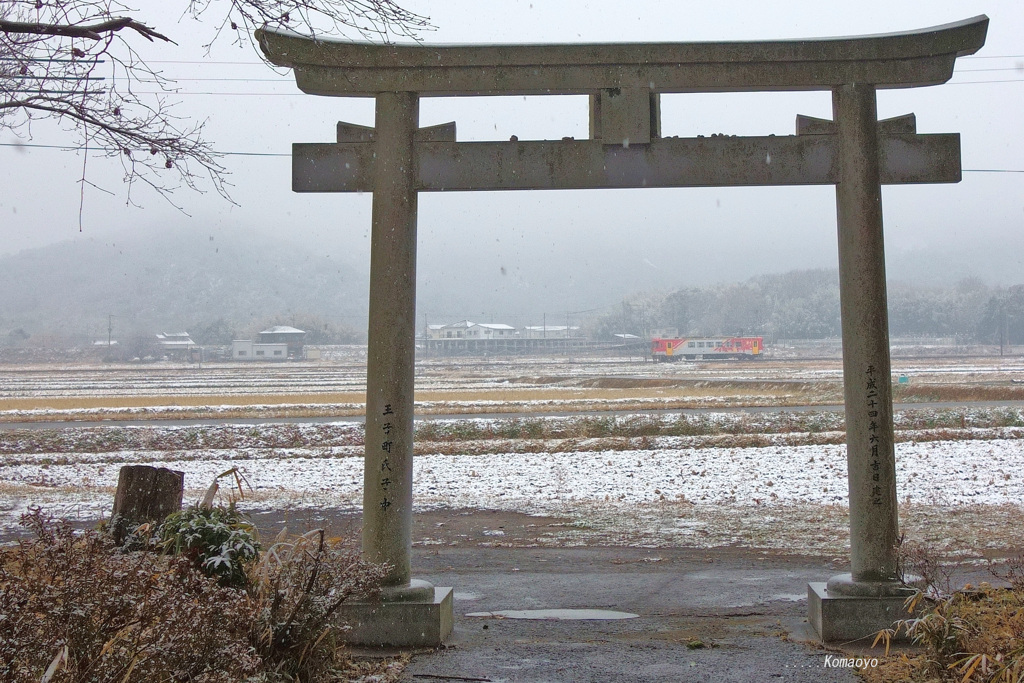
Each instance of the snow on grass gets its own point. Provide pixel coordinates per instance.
(951, 473)
(762, 479)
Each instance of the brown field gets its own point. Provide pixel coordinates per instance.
(473, 387)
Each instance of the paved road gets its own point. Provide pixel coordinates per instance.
(64, 424)
(703, 616)
(724, 614)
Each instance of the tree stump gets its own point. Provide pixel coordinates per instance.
(145, 494)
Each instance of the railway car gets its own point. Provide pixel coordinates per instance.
(693, 348)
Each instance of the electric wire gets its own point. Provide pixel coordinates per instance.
(70, 148)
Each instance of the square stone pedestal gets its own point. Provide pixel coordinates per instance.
(400, 624)
(844, 619)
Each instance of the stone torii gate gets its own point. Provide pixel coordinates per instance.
(396, 159)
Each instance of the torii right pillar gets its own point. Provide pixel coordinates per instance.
(871, 597)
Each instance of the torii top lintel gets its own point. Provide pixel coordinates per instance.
(895, 60)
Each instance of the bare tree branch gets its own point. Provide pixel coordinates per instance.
(93, 31)
(75, 62)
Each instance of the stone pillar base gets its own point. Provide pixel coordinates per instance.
(400, 624)
(847, 618)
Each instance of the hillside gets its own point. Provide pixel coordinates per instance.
(174, 280)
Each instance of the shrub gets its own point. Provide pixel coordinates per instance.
(74, 610)
(217, 540)
(299, 585)
(975, 634)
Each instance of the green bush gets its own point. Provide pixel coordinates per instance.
(219, 541)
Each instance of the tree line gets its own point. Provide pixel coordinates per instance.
(804, 304)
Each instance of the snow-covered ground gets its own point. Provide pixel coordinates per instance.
(662, 493)
(765, 480)
(987, 472)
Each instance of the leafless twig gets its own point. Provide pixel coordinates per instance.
(75, 62)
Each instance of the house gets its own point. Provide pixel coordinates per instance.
(664, 333)
(175, 345)
(170, 340)
(435, 331)
(293, 338)
(246, 349)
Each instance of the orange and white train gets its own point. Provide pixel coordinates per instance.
(704, 348)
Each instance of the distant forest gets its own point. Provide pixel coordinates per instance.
(804, 304)
(232, 285)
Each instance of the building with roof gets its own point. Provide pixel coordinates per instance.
(246, 350)
(467, 329)
(550, 331)
(177, 345)
(293, 338)
(469, 338)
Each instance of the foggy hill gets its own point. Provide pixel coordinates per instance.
(167, 280)
(804, 304)
(228, 282)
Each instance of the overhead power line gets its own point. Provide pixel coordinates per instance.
(67, 148)
(223, 93)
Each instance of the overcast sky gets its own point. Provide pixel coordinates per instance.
(571, 243)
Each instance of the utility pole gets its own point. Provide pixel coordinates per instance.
(1002, 329)
(568, 341)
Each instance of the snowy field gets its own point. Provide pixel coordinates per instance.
(773, 480)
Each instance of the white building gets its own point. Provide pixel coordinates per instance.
(245, 349)
(550, 331)
(175, 345)
(435, 331)
(174, 340)
(466, 329)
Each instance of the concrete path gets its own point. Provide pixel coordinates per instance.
(703, 616)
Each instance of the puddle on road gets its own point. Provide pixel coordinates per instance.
(791, 597)
(557, 614)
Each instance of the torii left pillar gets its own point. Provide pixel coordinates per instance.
(411, 612)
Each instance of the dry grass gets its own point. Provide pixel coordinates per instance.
(939, 393)
(976, 635)
(528, 434)
(436, 402)
(601, 394)
(76, 609)
(527, 395)
(59, 403)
